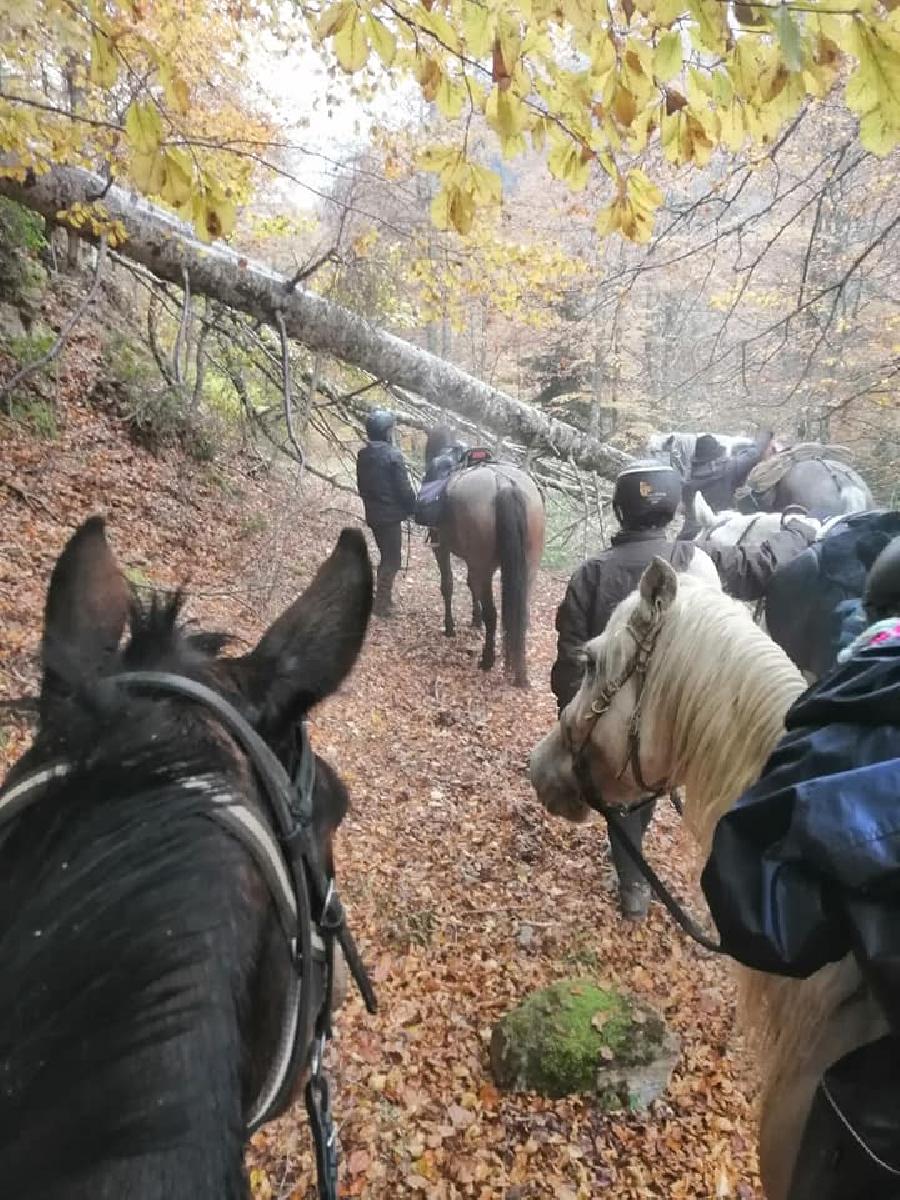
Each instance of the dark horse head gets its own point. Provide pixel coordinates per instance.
(144, 964)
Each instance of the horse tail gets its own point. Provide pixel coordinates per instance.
(512, 549)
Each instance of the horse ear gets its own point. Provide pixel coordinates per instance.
(658, 588)
(88, 599)
(310, 649)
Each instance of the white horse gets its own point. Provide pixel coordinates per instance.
(704, 711)
(732, 528)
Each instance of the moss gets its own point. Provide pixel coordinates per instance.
(557, 1040)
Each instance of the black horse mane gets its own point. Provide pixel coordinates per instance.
(123, 939)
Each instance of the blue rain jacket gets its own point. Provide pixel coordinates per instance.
(806, 867)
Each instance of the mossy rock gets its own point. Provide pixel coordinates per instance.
(575, 1037)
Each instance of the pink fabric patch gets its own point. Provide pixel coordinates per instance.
(886, 635)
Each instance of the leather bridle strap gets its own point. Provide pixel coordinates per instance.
(613, 814)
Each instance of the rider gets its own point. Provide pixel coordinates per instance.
(804, 870)
(746, 570)
(717, 475)
(383, 483)
(644, 500)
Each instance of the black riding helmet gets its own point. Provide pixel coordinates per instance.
(646, 494)
(882, 598)
(379, 425)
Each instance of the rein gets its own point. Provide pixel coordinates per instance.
(613, 813)
(309, 909)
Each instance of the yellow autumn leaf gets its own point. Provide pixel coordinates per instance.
(732, 126)
(143, 127)
(505, 113)
(608, 220)
(709, 31)
(668, 57)
(350, 43)
(580, 14)
(478, 27)
(486, 186)
(179, 181)
(665, 12)
(873, 91)
(450, 97)
(104, 63)
(382, 39)
(603, 56)
(462, 210)
(148, 171)
(438, 159)
(334, 18)
(642, 192)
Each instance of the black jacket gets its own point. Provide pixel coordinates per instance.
(594, 591)
(383, 484)
(745, 571)
(718, 481)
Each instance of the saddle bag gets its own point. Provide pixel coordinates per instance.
(430, 502)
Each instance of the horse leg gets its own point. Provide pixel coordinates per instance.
(477, 615)
(442, 555)
(489, 612)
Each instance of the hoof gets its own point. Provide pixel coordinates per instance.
(486, 664)
(521, 681)
(449, 631)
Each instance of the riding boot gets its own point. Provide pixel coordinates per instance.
(634, 891)
(384, 602)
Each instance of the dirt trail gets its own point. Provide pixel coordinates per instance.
(462, 893)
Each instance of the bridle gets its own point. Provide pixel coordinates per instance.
(600, 706)
(309, 910)
(590, 794)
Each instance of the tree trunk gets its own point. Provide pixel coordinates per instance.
(168, 248)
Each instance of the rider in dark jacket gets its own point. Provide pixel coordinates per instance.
(383, 483)
(717, 475)
(645, 500)
(745, 571)
(805, 869)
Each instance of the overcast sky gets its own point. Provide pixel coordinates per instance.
(297, 86)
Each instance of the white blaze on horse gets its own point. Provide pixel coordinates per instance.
(683, 688)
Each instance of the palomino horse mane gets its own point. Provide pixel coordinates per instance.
(716, 694)
(708, 642)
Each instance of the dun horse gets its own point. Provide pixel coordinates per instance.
(151, 1002)
(683, 688)
(493, 518)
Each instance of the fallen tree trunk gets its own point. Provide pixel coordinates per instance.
(169, 248)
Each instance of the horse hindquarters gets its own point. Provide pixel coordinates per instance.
(512, 550)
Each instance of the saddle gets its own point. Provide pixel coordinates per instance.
(430, 501)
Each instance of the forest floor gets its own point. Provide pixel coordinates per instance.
(462, 893)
